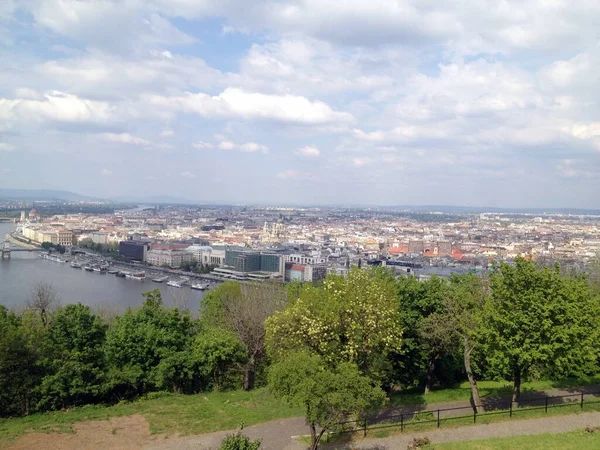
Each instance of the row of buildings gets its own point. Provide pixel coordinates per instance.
(228, 262)
(48, 233)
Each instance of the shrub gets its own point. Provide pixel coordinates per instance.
(418, 443)
(239, 442)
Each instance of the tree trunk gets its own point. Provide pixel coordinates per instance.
(314, 439)
(249, 375)
(517, 385)
(429, 379)
(477, 405)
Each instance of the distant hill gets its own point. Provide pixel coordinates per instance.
(43, 195)
(153, 199)
(484, 209)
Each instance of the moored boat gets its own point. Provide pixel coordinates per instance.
(136, 275)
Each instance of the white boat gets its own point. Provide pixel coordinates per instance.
(136, 276)
(160, 279)
(174, 284)
(50, 257)
(199, 287)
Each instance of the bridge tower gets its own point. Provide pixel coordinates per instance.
(5, 250)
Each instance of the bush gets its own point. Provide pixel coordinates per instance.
(239, 442)
(418, 443)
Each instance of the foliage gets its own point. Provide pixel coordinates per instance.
(58, 247)
(537, 319)
(149, 349)
(328, 394)
(457, 322)
(417, 300)
(239, 442)
(17, 366)
(347, 319)
(243, 310)
(72, 358)
(219, 355)
(112, 247)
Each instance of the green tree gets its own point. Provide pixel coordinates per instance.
(328, 393)
(243, 310)
(148, 349)
(347, 319)
(72, 358)
(219, 354)
(538, 319)
(456, 323)
(417, 300)
(18, 371)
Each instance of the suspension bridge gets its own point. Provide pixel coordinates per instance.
(7, 248)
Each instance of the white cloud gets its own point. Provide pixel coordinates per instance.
(106, 172)
(6, 147)
(189, 175)
(126, 138)
(226, 145)
(56, 107)
(96, 23)
(309, 152)
(253, 147)
(234, 102)
(110, 75)
(201, 145)
(167, 133)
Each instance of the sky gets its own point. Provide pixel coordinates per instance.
(382, 102)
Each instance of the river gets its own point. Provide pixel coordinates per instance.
(19, 275)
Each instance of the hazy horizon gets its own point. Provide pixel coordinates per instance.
(304, 102)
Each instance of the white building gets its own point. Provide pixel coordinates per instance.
(170, 258)
(207, 255)
(299, 258)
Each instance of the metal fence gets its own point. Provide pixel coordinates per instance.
(441, 415)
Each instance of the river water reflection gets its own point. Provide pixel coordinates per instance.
(19, 274)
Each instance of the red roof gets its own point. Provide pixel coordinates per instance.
(299, 267)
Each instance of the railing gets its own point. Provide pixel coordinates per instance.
(437, 416)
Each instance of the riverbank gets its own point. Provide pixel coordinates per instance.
(14, 239)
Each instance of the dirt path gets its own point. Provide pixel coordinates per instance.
(122, 433)
(276, 435)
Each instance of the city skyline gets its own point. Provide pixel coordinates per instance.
(303, 102)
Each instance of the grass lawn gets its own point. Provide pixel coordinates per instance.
(204, 413)
(576, 440)
(168, 414)
(486, 388)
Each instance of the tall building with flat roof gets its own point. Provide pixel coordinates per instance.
(135, 250)
(253, 261)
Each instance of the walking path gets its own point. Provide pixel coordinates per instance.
(279, 434)
(276, 435)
